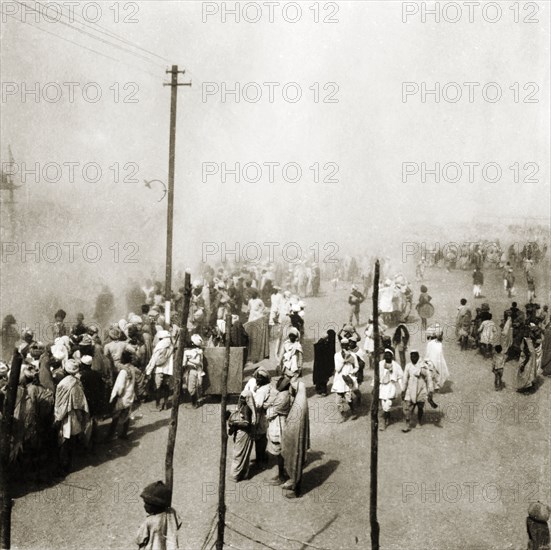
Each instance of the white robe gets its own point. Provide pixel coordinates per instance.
(435, 354)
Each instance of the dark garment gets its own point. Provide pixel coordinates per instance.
(538, 534)
(546, 352)
(10, 336)
(324, 362)
(94, 391)
(78, 331)
(478, 278)
(45, 377)
(355, 299)
(298, 322)
(238, 336)
(401, 336)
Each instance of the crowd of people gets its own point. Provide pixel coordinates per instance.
(91, 372)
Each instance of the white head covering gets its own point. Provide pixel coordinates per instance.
(163, 334)
(197, 340)
(71, 366)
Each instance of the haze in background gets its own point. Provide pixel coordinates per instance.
(369, 133)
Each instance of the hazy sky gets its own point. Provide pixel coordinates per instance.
(368, 134)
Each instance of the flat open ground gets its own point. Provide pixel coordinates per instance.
(463, 484)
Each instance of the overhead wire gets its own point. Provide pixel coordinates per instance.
(90, 34)
(102, 30)
(157, 77)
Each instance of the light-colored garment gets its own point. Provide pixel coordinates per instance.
(260, 397)
(526, 378)
(277, 300)
(278, 407)
(113, 352)
(488, 332)
(369, 342)
(291, 359)
(507, 335)
(463, 321)
(390, 376)
(124, 389)
(256, 309)
(417, 382)
(386, 295)
(161, 358)
(345, 366)
(160, 531)
(71, 407)
(435, 354)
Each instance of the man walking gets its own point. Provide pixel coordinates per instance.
(417, 388)
(478, 281)
(354, 300)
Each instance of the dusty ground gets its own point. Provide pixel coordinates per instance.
(464, 484)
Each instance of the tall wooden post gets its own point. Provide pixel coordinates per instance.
(171, 158)
(224, 442)
(374, 524)
(6, 502)
(177, 391)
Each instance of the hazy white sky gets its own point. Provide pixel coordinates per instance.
(369, 133)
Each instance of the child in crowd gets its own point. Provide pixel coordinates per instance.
(159, 531)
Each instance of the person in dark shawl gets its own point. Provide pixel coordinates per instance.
(537, 527)
(546, 352)
(324, 361)
(79, 329)
(94, 391)
(296, 440)
(10, 336)
(59, 328)
(400, 341)
(258, 332)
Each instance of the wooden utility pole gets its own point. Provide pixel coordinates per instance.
(6, 502)
(224, 445)
(171, 157)
(374, 524)
(177, 379)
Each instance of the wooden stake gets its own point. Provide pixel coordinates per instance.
(6, 502)
(224, 442)
(374, 524)
(177, 391)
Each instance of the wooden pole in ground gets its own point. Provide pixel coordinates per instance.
(177, 390)
(374, 524)
(6, 502)
(224, 442)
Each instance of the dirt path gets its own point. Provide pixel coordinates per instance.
(463, 485)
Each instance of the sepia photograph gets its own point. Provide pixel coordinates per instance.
(275, 275)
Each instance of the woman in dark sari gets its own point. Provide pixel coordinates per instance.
(324, 362)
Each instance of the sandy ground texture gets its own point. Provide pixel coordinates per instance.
(462, 481)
